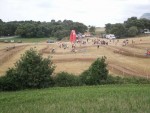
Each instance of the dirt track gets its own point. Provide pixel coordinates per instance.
(7, 53)
(126, 61)
(125, 71)
(123, 51)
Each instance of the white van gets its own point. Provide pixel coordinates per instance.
(110, 36)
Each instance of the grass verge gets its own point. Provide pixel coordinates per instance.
(27, 40)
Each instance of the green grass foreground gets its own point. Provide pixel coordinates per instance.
(85, 99)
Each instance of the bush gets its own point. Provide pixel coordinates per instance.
(64, 79)
(136, 80)
(114, 80)
(31, 71)
(96, 74)
(86, 78)
(126, 80)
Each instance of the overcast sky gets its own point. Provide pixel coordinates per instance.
(89, 12)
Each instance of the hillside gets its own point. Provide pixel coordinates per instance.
(146, 15)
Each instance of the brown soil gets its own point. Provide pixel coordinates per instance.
(8, 53)
(125, 71)
(126, 52)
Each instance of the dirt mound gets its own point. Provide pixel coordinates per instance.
(129, 53)
(125, 52)
(125, 71)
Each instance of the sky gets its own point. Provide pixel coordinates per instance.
(89, 12)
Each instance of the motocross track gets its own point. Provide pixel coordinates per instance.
(7, 53)
(129, 60)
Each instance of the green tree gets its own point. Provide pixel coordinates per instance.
(92, 29)
(31, 71)
(60, 34)
(145, 23)
(35, 29)
(1, 29)
(118, 29)
(97, 72)
(79, 27)
(134, 21)
(108, 28)
(132, 31)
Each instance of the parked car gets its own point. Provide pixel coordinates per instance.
(50, 41)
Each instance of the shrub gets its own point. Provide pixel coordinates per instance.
(126, 80)
(64, 79)
(96, 74)
(114, 80)
(31, 71)
(86, 78)
(7, 83)
(136, 80)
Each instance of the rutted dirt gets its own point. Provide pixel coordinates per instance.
(86, 54)
(9, 52)
(73, 60)
(125, 71)
(126, 52)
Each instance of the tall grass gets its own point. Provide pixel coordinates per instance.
(93, 99)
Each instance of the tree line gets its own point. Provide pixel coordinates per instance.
(27, 29)
(130, 28)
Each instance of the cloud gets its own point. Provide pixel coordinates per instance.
(89, 12)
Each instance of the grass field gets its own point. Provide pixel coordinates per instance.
(28, 40)
(86, 99)
(99, 30)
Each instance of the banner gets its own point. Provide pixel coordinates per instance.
(72, 36)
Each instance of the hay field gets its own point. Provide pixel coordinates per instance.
(129, 60)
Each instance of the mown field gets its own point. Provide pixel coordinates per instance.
(127, 60)
(86, 99)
